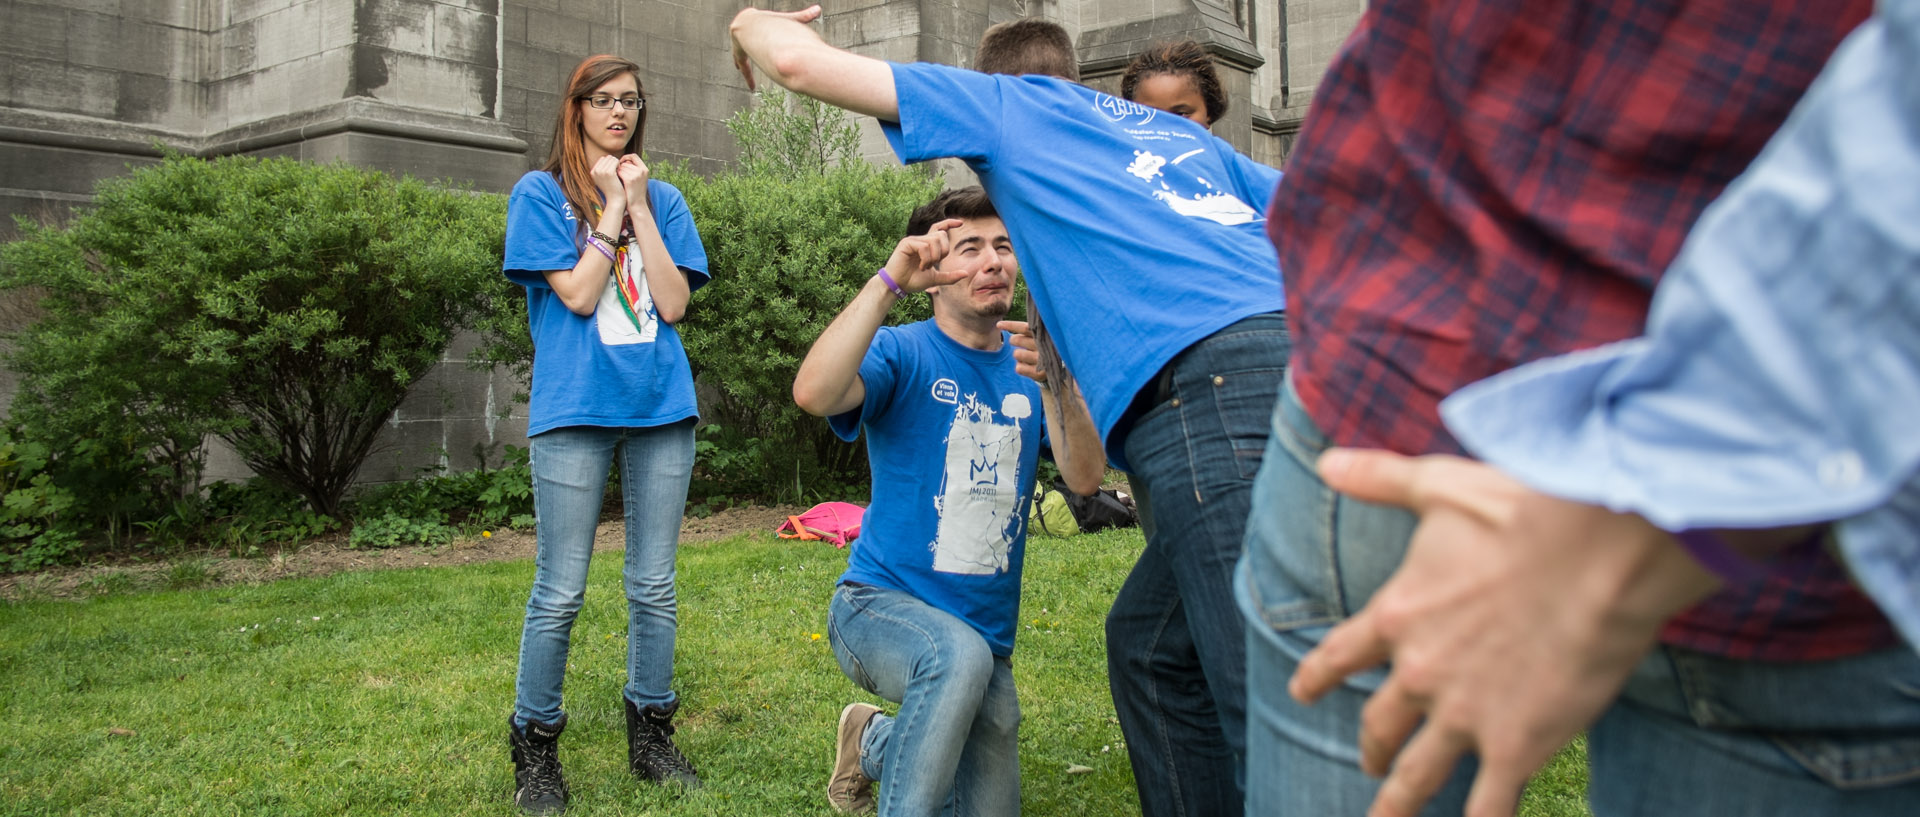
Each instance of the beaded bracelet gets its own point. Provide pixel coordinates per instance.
(888, 280)
(603, 237)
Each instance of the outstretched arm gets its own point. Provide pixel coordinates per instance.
(828, 382)
(795, 58)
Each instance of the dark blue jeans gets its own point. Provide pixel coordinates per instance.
(1176, 651)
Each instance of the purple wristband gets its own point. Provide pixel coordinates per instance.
(1714, 554)
(888, 280)
(602, 247)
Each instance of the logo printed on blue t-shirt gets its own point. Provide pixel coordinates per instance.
(1117, 109)
(946, 391)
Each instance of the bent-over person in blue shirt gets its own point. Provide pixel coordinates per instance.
(1142, 237)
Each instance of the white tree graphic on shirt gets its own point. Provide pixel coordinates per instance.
(979, 495)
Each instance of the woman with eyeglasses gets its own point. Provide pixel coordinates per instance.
(608, 257)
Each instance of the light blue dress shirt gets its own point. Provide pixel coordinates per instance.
(1779, 378)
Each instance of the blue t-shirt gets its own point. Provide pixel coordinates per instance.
(606, 369)
(1139, 232)
(952, 529)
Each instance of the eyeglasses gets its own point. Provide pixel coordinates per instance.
(601, 103)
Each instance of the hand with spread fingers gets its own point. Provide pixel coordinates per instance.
(1512, 623)
(915, 263)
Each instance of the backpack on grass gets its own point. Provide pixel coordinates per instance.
(836, 522)
(1060, 512)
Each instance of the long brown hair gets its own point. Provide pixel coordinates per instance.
(567, 159)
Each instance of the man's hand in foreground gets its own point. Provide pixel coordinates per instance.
(1512, 623)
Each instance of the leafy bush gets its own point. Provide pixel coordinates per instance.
(284, 307)
(792, 137)
(34, 527)
(243, 517)
(791, 235)
(433, 509)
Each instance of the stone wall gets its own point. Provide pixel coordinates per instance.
(466, 90)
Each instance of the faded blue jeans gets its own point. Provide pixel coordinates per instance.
(954, 747)
(1176, 647)
(1691, 734)
(570, 468)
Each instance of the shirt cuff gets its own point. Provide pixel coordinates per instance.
(1600, 427)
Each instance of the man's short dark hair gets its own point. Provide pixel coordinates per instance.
(1029, 45)
(960, 202)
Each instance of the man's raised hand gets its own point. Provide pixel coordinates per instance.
(915, 261)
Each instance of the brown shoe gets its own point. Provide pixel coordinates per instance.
(850, 791)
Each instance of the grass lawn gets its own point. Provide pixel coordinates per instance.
(388, 691)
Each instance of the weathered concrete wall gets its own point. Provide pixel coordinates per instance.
(92, 87)
(405, 86)
(682, 49)
(1299, 38)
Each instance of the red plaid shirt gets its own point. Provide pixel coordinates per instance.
(1483, 183)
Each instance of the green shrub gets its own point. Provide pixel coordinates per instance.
(244, 517)
(434, 508)
(394, 531)
(792, 137)
(791, 236)
(284, 307)
(35, 529)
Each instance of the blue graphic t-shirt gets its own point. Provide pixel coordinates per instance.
(1139, 232)
(952, 437)
(611, 368)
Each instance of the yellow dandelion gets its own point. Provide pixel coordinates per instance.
(816, 636)
(486, 534)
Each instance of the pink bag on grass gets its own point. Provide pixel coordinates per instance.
(836, 522)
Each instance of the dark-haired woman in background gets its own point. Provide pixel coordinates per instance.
(1178, 78)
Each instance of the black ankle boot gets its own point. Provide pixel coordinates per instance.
(651, 754)
(538, 786)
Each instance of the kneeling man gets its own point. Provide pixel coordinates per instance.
(926, 612)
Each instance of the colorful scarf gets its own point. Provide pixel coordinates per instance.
(627, 270)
